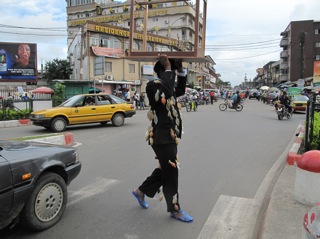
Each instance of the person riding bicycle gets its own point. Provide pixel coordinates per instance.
(235, 99)
(285, 100)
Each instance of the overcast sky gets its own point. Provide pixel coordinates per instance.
(242, 35)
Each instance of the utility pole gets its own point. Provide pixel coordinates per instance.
(302, 41)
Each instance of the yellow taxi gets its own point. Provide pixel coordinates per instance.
(299, 103)
(84, 109)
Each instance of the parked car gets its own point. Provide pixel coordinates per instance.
(299, 103)
(84, 109)
(33, 182)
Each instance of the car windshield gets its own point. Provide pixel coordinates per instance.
(78, 99)
(300, 98)
(72, 101)
(117, 100)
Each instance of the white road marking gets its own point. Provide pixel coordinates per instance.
(100, 185)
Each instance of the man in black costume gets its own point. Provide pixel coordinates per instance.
(163, 135)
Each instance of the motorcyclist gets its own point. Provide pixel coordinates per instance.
(285, 100)
(194, 98)
(235, 99)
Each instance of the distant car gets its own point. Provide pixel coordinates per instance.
(299, 103)
(33, 182)
(217, 92)
(84, 109)
(253, 94)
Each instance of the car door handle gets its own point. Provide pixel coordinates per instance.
(93, 108)
(113, 107)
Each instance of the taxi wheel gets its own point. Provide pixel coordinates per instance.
(58, 124)
(117, 120)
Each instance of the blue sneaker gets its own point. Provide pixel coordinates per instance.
(184, 217)
(141, 201)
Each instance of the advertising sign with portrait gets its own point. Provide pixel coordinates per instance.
(18, 62)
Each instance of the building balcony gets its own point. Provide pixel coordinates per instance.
(284, 54)
(283, 66)
(284, 42)
(284, 78)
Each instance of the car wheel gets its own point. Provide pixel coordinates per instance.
(46, 203)
(118, 119)
(58, 124)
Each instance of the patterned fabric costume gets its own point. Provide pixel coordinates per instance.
(163, 135)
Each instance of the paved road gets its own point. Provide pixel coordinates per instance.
(222, 153)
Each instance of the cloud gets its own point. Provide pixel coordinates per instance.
(235, 22)
(37, 14)
(236, 30)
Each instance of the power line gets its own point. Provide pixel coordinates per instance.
(33, 34)
(253, 43)
(36, 28)
(248, 56)
(241, 48)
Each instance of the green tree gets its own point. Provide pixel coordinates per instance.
(57, 69)
(59, 94)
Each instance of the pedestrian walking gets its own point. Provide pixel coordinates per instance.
(211, 96)
(163, 135)
(128, 96)
(142, 101)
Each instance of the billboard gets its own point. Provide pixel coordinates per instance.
(18, 62)
(316, 72)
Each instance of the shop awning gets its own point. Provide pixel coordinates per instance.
(119, 82)
(107, 52)
(94, 90)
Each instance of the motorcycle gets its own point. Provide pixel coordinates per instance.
(226, 104)
(282, 111)
(191, 105)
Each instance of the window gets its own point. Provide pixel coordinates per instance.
(94, 41)
(318, 44)
(108, 67)
(317, 31)
(132, 68)
(317, 57)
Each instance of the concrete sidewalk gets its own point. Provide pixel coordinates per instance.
(284, 216)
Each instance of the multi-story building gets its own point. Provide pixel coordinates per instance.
(98, 33)
(301, 47)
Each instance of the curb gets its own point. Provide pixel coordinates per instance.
(15, 123)
(66, 139)
(263, 195)
(293, 155)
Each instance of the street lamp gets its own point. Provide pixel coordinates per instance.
(170, 26)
